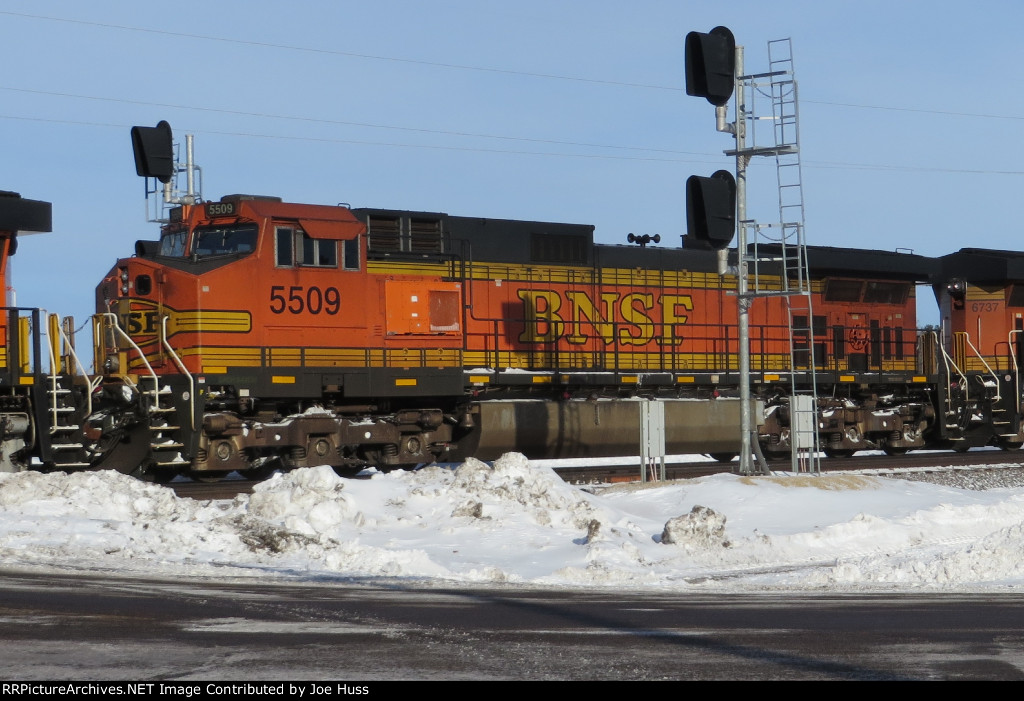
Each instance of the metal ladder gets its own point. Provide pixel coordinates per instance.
(780, 259)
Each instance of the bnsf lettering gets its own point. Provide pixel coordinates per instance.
(136, 323)
(633, 319)
(301, 299)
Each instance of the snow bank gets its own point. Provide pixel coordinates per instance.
(518, 522)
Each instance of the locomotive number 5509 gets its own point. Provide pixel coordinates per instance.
(305, 299)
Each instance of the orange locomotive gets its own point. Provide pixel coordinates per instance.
(44, 393)
(257, 333)
(981, 352)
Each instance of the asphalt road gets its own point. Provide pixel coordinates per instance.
(109, 628)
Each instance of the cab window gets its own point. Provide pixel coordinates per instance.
(294, 248)
(172, 243)
(224, 240)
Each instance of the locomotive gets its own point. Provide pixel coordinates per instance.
(45, 392)
(268, 334)
(257, 334)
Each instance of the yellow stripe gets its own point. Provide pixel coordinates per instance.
(847, 378)
(283, 380)
(630, 380)
(405, 382)
(685, 379)
(26, 380)
(209, 322)
(552, 273)
(479, 379)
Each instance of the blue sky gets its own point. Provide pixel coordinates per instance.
(568, 111)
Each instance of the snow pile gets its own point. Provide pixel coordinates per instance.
(517, 522)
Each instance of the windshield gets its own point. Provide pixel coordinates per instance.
(224, 240)
(172, 243)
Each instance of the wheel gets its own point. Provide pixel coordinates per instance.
(891, 450)
(156, 475)
(1010, 446)
(838, 452)
(724, 457)
(260, 472)
(961, 448)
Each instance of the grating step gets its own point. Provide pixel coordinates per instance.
(166, 446)
(65, 446)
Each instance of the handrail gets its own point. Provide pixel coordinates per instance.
(142, 356)
(948, 361)
(995, 377)
(1016, 370)
(92, 383)
(181, 366)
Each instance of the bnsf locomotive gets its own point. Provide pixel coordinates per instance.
(257, 334)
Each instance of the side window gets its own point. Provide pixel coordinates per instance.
(293, 247)
(284, 243)
(319, 253)
(351, 253)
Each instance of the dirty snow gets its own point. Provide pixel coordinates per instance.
(519, 523)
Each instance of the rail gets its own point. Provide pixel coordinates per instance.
(116, 326)
(181, 366)
(948, 361)
(1016, 368)
(580, 343)
(91, 383)
(988, 368)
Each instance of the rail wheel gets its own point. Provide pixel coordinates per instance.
(891, 450)
(262, 471)
(156, 475)
(838, 452)
(1010, 446)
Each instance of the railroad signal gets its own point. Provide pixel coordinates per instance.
(18, 214)
(711, 65)
(154, 151)
(711, 209)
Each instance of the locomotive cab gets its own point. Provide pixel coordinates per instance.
(980, 294)
(254, 310)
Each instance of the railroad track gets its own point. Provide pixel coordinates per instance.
(911, 466)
